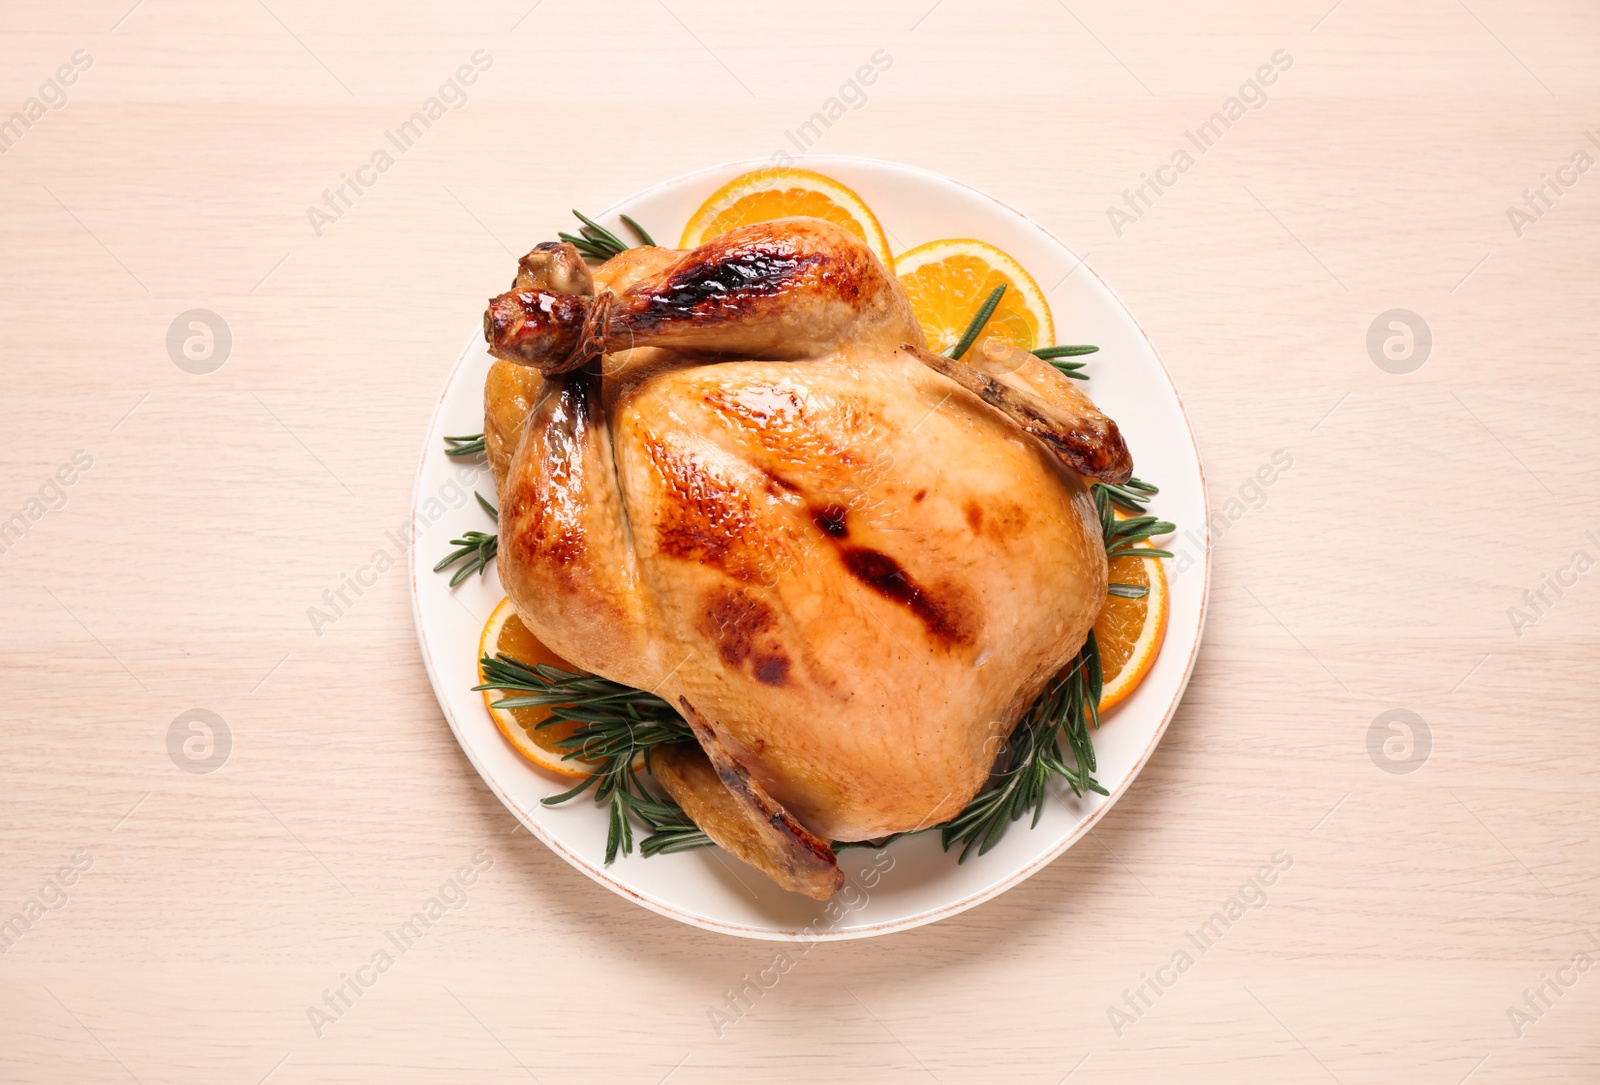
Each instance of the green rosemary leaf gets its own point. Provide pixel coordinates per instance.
(601, 235)
(1141, 551)
(584, 785)
(1127, 591)
(1071, 369)
(619, 835)
(1094, 681)
(465, 547)
(979, 319)
(644, 235)
(493, 512)
(471, 445)
(1052, 353)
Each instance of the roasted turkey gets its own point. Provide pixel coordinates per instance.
(736, 477)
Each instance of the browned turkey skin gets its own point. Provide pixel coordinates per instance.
(735, 476)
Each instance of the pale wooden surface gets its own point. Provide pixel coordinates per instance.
(1377, 575)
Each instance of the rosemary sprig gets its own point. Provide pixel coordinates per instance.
(644, 235)
(1135, 530)
(675, 834)
(979, 319)
(615, 725)
(1130, 496)
(589, 250)
(1071, 369)
(1121, 536)
(476, 549)
(470, 445)
(1050, 354)
(1056, 356)
(594, 242)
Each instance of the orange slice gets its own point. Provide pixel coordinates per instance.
(1130, 631)
(949, 280)
(779, 192)
(504, 632)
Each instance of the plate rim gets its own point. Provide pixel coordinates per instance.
(811, 935)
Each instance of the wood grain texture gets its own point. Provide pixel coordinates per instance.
(1376, 573)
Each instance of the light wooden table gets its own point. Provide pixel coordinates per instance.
(207, 512)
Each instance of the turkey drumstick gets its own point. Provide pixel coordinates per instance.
(792, 288)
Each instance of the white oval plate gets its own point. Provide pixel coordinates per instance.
(912, 881)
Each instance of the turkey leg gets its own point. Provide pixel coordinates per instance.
(786, 289)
